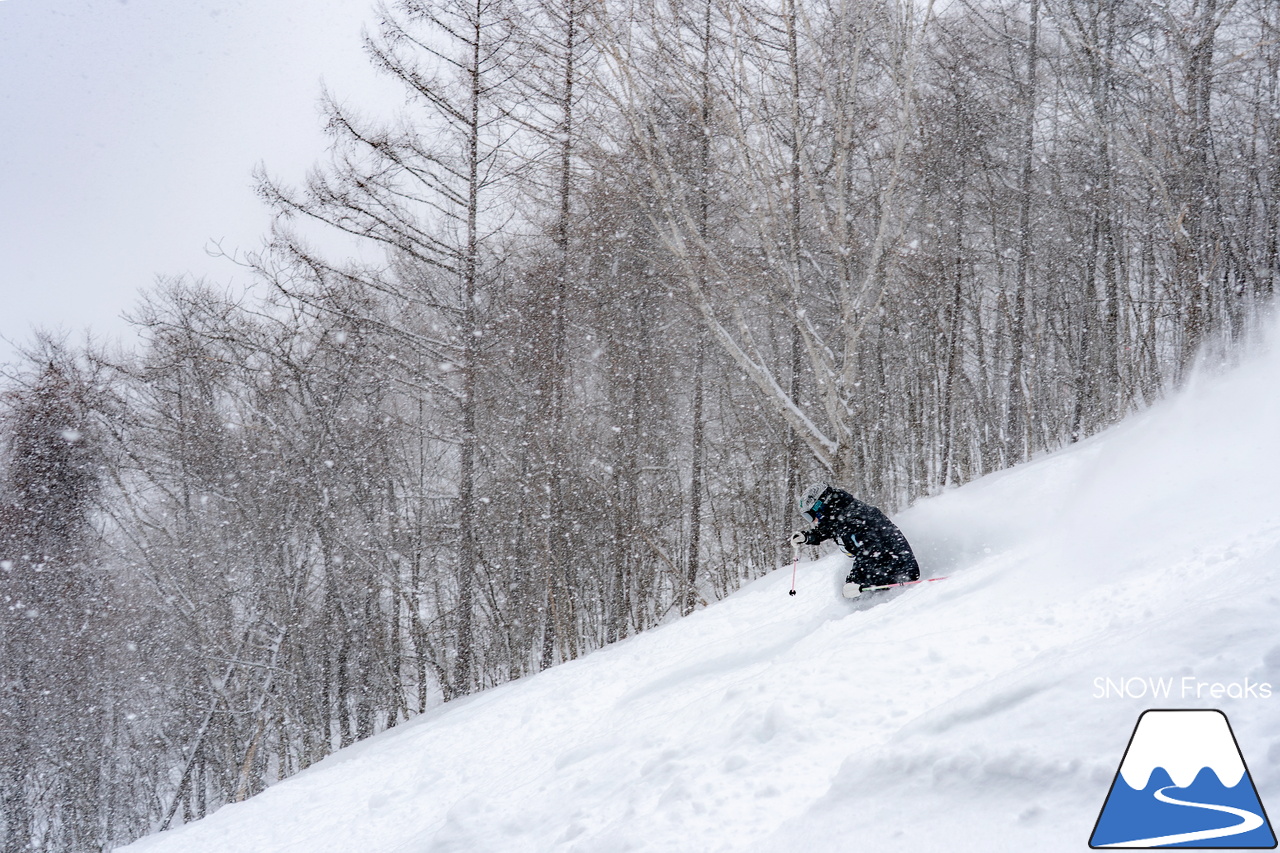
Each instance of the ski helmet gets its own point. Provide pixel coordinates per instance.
(810, 502)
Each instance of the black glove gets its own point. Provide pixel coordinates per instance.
(798, 538)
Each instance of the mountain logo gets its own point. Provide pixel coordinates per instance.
(1183, 783)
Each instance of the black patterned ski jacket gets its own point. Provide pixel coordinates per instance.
(881, 554)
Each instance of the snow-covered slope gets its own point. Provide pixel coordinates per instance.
(960, 715)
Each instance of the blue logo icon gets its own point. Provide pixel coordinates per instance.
(1183, 783)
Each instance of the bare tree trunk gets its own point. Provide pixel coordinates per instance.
(697, 427)
(561, 612)
(1019, 426)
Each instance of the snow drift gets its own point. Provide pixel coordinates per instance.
(986, 712)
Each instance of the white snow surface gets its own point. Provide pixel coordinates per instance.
(963, 715)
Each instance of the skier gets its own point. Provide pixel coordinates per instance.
(881, 554)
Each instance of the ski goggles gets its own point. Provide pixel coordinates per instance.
(815, 511)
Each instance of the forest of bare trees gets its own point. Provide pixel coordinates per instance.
(539, 361)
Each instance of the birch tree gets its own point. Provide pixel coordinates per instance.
(780, 86)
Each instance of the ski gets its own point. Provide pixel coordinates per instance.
(896, 585)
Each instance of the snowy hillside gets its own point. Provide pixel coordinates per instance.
(961, 715)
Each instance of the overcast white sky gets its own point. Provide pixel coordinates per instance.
(129, 132)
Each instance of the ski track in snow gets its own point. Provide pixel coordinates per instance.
(954, 716)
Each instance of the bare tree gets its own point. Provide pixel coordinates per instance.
(426, 194)
(849, 267)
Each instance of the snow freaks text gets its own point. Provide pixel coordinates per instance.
(1184, 687)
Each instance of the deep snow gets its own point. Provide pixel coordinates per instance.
(960, 715)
